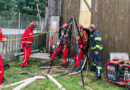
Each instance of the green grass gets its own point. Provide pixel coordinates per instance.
(72, 82)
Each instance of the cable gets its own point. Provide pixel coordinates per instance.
(10, 85)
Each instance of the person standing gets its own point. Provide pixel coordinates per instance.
(82, 43)
(63, 46)
(26, 41)
(96, 47)
(2, 39)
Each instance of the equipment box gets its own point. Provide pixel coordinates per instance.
(118, 71)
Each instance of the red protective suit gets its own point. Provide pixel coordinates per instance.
(26, 41)
(1, 70)
(81, 47)
(65, 52)
(1, 35)
(1, 64)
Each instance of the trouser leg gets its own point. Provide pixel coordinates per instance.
(27, 52)
(93, 68)
(1, 70)
(97, 58)
(65, 53)
(98, 64)
(24, 50)
(0, 81)
(81, 54)
(56, 52)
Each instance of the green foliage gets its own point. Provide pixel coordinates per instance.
(25, 6)
(29, 7)
(2, 5)
(29, 11)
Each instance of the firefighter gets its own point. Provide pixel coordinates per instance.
(96, 47)
(2, 39)
(82, 43)
(63, 46)
(26, 41)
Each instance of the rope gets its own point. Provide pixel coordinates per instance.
(69, 73)
(34, 35)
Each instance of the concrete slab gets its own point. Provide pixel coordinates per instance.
(44, 57)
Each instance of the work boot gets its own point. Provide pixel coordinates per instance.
(24, 66)
(64, 66)
(97, 78)
(93, 68)
(3, 80)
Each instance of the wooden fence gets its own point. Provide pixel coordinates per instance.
(70, 8)
(7, 49)
(112, 18)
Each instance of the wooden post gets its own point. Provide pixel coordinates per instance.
(53, 8)
(56, 82)
(28, 82)
(7, 86)
(39, 18)
(87, 5)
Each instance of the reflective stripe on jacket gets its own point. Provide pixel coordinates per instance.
(96, 40)
(27, 37)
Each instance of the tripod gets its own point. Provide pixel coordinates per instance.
(75, 27)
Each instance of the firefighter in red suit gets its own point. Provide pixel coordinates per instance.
(63, 46)
(2, 39)
(82, 46)
(26, 41)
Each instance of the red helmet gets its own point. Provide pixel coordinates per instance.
(65, 24)
(80, 25)
(32, 24)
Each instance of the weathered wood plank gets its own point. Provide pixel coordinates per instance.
(7, 49)
(113, 21)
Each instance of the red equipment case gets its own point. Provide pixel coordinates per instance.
(118, 71)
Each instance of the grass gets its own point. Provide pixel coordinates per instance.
(72, 82)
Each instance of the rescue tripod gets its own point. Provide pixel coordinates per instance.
(70, 22)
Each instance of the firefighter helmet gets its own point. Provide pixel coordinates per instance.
(80, 25)
(32, 24)
(65, 24)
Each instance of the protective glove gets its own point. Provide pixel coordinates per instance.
(81, 46)
(3, 80)
(58, 43)
(4, 39)
(53, 47)
(51, 63)
(96, 51)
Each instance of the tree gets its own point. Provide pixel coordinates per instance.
(2, 5)
(24, 6)
(29, 7)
